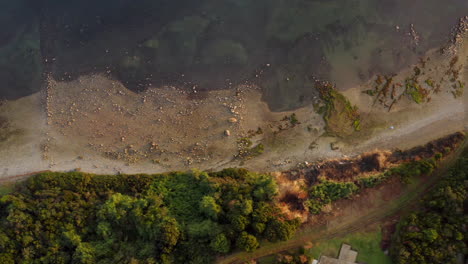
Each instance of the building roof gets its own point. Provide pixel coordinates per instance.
(346, 256)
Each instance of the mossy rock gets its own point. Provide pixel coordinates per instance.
(225, 51)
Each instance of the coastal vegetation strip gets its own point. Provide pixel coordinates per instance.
(168, 218)
(311, 189)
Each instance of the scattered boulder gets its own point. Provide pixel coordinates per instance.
(334, 146)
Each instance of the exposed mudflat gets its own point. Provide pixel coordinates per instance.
(95, 124)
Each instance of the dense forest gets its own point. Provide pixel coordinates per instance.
(436, 232)
(165, 218)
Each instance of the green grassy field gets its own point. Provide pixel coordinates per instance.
(366, 243)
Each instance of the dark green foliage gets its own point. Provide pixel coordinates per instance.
(221, 244)
(436, 233)
(326, 192)
(412, 169)
(280, 230)
(404, 171)
(166, 218)
(247, 242)
(438, 156)
(209, 207)
(370, 182)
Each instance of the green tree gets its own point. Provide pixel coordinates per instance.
(247, 242)
(265, 188)
(262, 212)
(209, 207)
(6, 258)
(84, 254)
(280, 229)
(220, 244)
(431, 234)
(246, 207)
(203, 229)
(258, 227)
(239, 222)
(170, 234)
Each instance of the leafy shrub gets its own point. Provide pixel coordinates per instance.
(370, 182)
(326, 192)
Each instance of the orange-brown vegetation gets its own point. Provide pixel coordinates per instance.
(295, 184)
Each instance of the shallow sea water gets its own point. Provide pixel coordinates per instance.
(280, 45)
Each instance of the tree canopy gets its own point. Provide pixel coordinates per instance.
(436, 233)
(163, 218)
